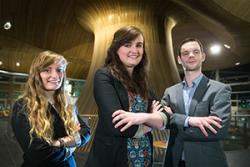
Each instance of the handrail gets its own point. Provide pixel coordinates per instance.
(241, 115)
(239, 83)
(88, 115)
(241, 92)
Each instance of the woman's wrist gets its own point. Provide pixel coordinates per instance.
(67, 141)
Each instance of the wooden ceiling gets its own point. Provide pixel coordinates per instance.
(40, 25)
(54, 24)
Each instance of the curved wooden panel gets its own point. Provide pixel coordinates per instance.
(101, 18)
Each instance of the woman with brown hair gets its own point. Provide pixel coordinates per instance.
(45, 123)
(121, 86)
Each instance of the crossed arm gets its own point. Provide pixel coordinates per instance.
(208, 126)
(39, 151)
(155, 119)
(79, 139)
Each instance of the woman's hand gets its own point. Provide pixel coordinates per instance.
(121, 117)
(56, 143)
(68, 141)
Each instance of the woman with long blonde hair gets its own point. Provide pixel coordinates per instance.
(45, 123)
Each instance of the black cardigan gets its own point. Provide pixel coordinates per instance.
(110, 145)
(39, 153)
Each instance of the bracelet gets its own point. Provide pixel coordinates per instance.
(62, 143)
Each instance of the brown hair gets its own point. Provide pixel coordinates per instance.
(138, 82)
(189, 39)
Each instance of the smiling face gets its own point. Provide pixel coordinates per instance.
(52, 76)
(131, 53)
(191, 56)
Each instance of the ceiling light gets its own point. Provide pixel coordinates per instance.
(215, 49)
(17, 64)
(238, 63)
(7, 25)
(227, 46)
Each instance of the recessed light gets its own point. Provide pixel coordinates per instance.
(238, 63)
(227, 46)
(7, 25)
(17, 64)
(215, 49)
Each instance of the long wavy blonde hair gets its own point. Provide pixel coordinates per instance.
(40, 119)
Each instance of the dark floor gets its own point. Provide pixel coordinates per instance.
(11, 154)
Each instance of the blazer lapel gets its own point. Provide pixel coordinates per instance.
(199, 93)
(122, 94)
(179, 98)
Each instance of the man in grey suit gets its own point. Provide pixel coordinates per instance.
(200, 113)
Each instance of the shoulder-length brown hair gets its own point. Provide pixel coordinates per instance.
(40, 119)
(138, 82)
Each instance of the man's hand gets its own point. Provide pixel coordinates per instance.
(205, 123)
(168, 110)
(156, 106)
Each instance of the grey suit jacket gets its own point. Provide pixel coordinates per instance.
(210, 98)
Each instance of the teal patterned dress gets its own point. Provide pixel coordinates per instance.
(139, 149)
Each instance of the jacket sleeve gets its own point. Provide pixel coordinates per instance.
(38, 151)
(108, 101)
(165, 101)
(221, 107)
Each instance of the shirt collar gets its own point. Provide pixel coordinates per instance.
(195, 82)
